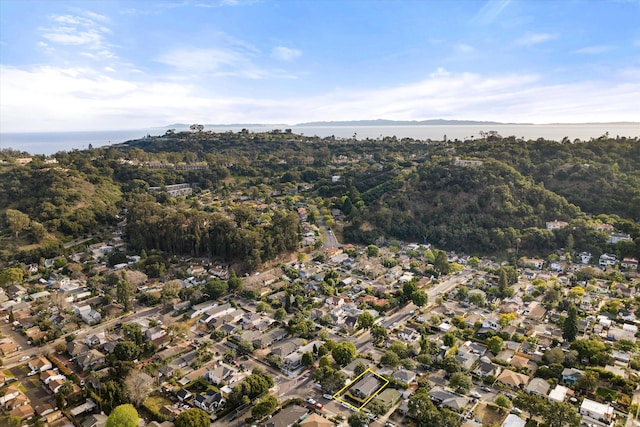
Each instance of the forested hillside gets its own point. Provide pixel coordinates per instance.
(387, 188)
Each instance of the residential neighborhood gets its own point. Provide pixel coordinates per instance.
(480, 336)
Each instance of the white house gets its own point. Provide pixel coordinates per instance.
(607, 260)
(597, 411)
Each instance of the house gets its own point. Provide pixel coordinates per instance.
(47, 376)
(183, 394)
(607, 260)
(315, 420)
(513, 379)
(23, 412)
(88, 406)
(209, 401)
(487, 368)
(155, 333)
(448, 399)
(74, 348)
(95, 420)
(56, 384)
(96, 340)
(533, 262)
(287, 417)
(571, 375)
(600, 412)
(366, 386)
(404, 376)
(10, 393)
(538, 386)
(629, 263)
(8, 348)
(199, 309)
(556, 225)
(219, 373)
(286, 348)
(585, 257)
(615, 238)
(40, 364)
(513, 420)
(559, 393)
(490, 324)
(90, 359)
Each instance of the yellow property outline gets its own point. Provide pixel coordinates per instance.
(336, 395)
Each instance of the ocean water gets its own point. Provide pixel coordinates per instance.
(52, 142)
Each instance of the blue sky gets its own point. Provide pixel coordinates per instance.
(98, 65)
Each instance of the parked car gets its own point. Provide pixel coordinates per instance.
(327, 396)
(24, 358)
(475, 394)
(311, 401)
(32, 373)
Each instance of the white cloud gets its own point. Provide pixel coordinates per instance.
(233, 60)
(531, 39)
(595, 50)
(53, 98)
(84, 30)
(283, 53)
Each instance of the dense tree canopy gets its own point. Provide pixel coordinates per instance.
(123, 416)
(406, 189)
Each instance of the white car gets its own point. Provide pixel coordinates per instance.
(311, 401)
(475, 394)
(32, 373)
(23, 358)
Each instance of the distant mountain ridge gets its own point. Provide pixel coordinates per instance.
(384, 122)
(376, 122)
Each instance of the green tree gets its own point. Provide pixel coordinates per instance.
(378, 333)
(123, 416)
(307, 359)
(390, 359)
(265, 406)
(344, 352)
(16, 220)
(126, 351)
(421, 408)
(373, 251)
(124, 294)
(359, 368)
(420, 298)
(193, 417)
(503, 402)
(358, 419)
(561, 414)
(216, 288)
(365, 320)
(451, 365)
(570, 327)
(170, 290)
(12, 275)
(449, 339)
(441, 263)
(587, 382)
(494, 344)
(377, 407)
(461, 382)
(235, 283)
(280, 314)
(531, 403)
